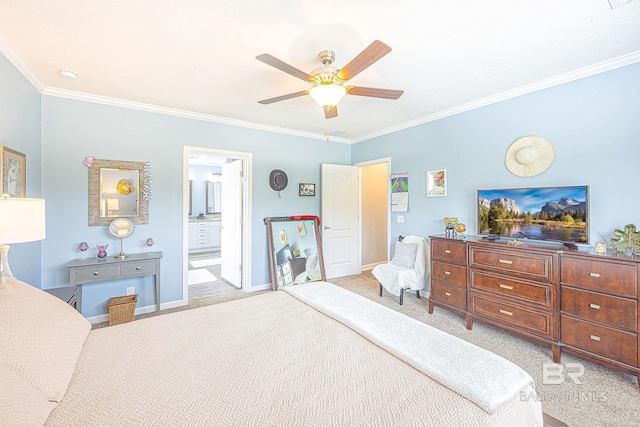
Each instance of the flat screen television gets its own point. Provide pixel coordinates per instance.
(559, 214)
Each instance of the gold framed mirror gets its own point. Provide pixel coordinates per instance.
(115, 192)
(295, 250)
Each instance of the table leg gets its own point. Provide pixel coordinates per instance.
(158, 292)
(79, 298)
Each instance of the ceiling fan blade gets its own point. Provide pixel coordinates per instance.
(283, 97)
(283, 66)
(371, 54)
(330, 112)
(375, 92)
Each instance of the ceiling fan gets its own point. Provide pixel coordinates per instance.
(328, 82)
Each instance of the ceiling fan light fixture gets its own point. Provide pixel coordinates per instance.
(328, 94)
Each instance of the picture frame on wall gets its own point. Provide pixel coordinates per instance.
(13, 172)
(437, 183)
(306, 189)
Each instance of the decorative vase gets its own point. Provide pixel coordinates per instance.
(102, 251)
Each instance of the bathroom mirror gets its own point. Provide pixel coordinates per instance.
(114, 192)
(295, 250)
(190, 197)
(213, 197)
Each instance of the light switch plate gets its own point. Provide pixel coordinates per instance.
(400, 219)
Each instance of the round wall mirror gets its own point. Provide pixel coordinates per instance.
(121, 228)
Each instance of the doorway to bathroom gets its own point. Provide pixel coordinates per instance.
(217, 208)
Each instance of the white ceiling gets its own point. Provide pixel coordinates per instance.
(196, 58)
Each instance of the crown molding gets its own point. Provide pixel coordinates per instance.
(17, 61)
(30, 75)
(116, 102)
(571, 76)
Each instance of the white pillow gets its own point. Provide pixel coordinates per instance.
(405, 255)
(41, 337)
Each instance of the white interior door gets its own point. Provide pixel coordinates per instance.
(231, 223)
(340, 202)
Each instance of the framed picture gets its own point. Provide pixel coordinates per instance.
(13, 172)
(306, 189)
(437, 183)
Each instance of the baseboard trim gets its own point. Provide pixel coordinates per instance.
(140, 310)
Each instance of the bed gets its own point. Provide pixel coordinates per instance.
(310, 354)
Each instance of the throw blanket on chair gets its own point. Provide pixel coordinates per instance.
(394, 278)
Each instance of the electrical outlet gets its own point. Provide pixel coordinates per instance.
(131, 290)
(400, 219)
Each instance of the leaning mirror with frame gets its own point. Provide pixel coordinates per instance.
(295, 250)
(115, 192)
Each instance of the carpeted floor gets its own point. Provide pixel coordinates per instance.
(604, 398)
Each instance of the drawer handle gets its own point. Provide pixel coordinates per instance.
(505, 261)
(447, 294)
(594, 274)
(138, 268)
(95, 273)
(594, 337)
(447, 273)
(506, 287)
(595, 306)
(508, 313)
(447, 251)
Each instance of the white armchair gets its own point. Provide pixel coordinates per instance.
(409, 268)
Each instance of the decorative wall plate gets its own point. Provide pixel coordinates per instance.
(125, 187)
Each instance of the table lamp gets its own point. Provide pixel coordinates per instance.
(21, 220)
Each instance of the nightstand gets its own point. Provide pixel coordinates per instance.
(66, 294)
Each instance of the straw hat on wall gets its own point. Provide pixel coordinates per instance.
(529, 156)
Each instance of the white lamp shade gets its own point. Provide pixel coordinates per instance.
(327, 94)
(21, 220)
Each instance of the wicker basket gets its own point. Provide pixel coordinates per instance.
(122, 309)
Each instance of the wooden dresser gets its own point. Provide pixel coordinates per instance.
(599, 310)
(570, 300)
(449, 275)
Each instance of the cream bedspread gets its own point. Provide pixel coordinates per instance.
(268, 360)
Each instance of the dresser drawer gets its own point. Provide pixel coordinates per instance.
(202, 226)
(600, 275)
(532, 321)
(533, 265)
(614, 311)
(531, 292)
(286, 268)
(96, 273)
(448, 294)
(138, 268)
(449, 251)
(612, 343)
(456, 274)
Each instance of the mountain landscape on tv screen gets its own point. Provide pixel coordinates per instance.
(563, 219)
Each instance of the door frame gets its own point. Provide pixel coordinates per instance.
(386, 160)
(247, 167)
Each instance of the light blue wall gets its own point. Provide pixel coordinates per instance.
(20, 131)
(72, 130)
(593, 123)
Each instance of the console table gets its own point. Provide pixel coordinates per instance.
(82, 272)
